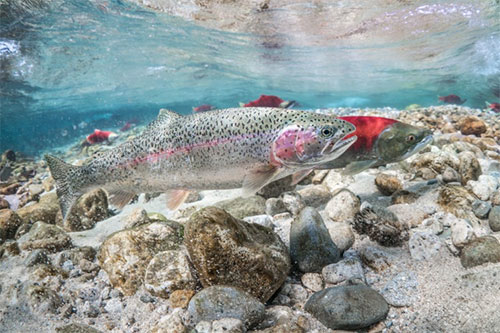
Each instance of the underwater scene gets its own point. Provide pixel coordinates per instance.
(249, 166)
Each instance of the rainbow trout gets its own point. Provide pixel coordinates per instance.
(221, 149)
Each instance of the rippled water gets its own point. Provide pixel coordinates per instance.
(69, 66)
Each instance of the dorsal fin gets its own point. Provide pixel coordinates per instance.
(165, 117)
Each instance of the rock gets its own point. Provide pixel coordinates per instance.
(227, 251)
(76, 328)
(315, 196)
(469, 168)
(228, 325)
(346, 269)
(294, 293)
(484, 187)
(282, 225)
(413, 215)
(263, 220)
(450, 175)
(243, 207)
(275, 189)
(45, 210)
(343, 206)
(275, 206)
(319, 176)
(42, 300)
(9, 189)
(126, 254)
(456, 200)
(45, 236)
(39, 256)
(494, 218)
(375, 258)
(481, 208)
(9, 223)
(313, 281)
(347, 307)
(480, 251)
(169, 271)
(114, 306)
(10, 247)
(35, 190)
(401, 290)
(387, 184)
(495, 198)
(341, 234)
(423, 245)
(472, 125)
(181, 298)
(91, 208)
(171, 323)
(157, 217)
(404, 197)
(461, 233)
(311, 247)
(293, 202)
(76, 255)
(381, 225)
(436, 162)
(4, 204)
(217, 302)
(136, 218)
(433, 224)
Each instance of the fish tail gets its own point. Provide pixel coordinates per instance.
(65, 176)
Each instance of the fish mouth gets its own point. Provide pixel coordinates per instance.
(340, 147)
(418, 147)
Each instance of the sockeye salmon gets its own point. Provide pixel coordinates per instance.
(221, 149)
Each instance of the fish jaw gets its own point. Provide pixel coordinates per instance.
(421, 145)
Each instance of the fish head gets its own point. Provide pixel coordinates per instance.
(399, 141)
(312, 141)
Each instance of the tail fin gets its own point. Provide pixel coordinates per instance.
(64, 175)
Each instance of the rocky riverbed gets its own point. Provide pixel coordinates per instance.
(410, 247)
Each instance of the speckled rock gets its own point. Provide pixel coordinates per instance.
(171, 323)
(494, 218)
(457, 200)
(495, 198)
(347, 307)
(276, 188)
(243, 207)
(472, 125)
(38, 256)
(313, 281)
(9, 223)
(263, 220)
(181, 298)
(424, 245)
(346, 269)
(228, 251)
(450, 175)
(275, 206)
(343, 206)
(404, 197)
(293, 202)
(228, 325)
(381, 225)
(315, 196)
(126, 254)
(375, 258)
(387, 184)
(484, 187)
(76, 328)
(45, 210)
(341, 234)
(438, 162)
(311, 247)
(169, 271)
(402, 290)
(413, 214)
(91, 208)
(136, 218)
(481, 208)
(480, 251)
(45, 236)
(41, 299)
(469, 169)
(219, 302)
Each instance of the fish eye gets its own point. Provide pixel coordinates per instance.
(410, 138)
(327, 131)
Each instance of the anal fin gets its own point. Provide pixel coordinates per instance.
(175, 198)
(120, 198)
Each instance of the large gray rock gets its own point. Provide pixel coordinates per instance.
(311, 247)
(402, 290)
(343, 206)
(228, 251)
(494, 218)
(315, 195)
(346, 269)
(45, 236)
(91, 208)
(243, 207)
(126, 254)
(45, 210)
(347, 307)
(217, 302)
(480, 251)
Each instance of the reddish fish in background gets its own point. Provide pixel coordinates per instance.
(270, 102)
(129, 124)
(380, 141)
(100, 136)
(493, 106)
(203, 108)
(452, 99)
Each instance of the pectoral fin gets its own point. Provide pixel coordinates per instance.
(300, 175)
(257, 178)
(175, 198)
(356, 167)
(120, 198)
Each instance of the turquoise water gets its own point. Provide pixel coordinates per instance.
(70, 66)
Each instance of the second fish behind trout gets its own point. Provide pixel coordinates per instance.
(222, 149)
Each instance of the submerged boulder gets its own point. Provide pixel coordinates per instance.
(243, 207)
(91, 208)
(228, 251)
(45, 236)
